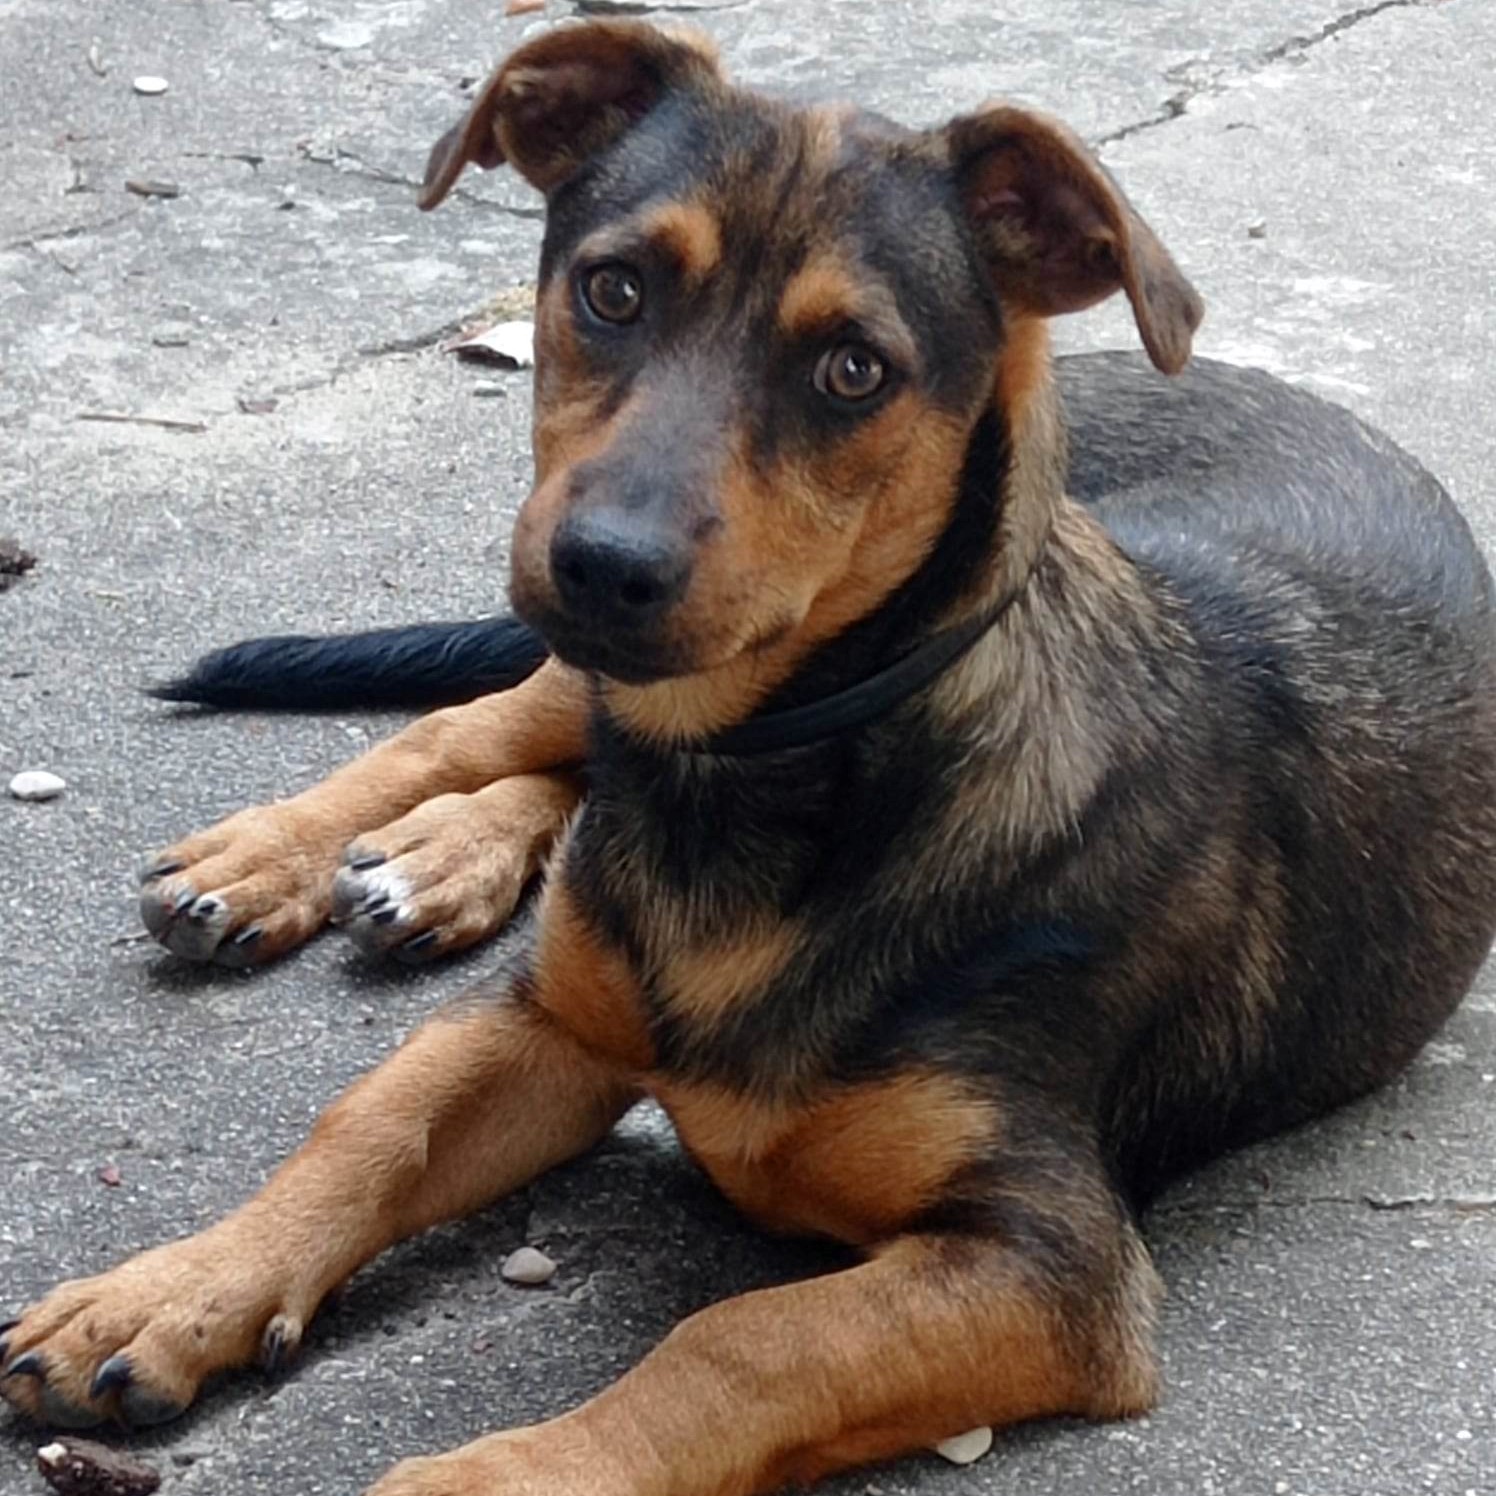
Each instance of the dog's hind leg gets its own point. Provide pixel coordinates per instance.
(261, 882)
(478, 1102)
(935, 1335)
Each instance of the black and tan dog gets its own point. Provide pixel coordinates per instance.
(962, 855)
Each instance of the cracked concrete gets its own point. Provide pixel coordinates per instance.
(1325, 174)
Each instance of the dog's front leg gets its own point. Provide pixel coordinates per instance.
(476, 1103)
(261, 882)
(935, 1335)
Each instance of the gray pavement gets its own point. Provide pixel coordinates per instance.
(1328, 177)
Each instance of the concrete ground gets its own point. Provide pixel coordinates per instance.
(1328, 177)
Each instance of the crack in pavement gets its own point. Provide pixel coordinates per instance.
(38, 242)
(1377, 1204)
(382, 174)
(1296, 45)
(1177, 104)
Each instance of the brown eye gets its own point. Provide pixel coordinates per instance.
(614, 293)
(851, 371)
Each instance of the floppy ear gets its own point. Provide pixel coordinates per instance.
(562, 98)
(1058, 233)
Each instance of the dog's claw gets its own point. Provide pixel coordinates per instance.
(422, 948)
(29, 1365)
(279, 1344)
(365, 862)
(153, 868)
(113, 1376)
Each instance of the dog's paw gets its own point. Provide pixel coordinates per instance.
(523, 1462)
(451, 872)
(134, 1345)
(244, 891)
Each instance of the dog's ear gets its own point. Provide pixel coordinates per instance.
(562, 98)
(1059, 235)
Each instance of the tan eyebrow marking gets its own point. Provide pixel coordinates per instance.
(820, 295)
(828, 292)
(690, 232)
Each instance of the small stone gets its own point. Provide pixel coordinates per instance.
(966, 1449)
(489, 389)
(1257, 230)
(528, 1267)
(150, 86)
(110, 1176)
(152, 187)
(79, 1467)
(36, 785)
(171, 335)
(346, 36)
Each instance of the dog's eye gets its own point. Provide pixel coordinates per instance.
(851, 371)
(614, 293)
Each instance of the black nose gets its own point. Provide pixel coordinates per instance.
(611, 567)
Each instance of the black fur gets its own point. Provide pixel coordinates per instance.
(424, 664)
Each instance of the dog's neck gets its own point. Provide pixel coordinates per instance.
(1010, 490)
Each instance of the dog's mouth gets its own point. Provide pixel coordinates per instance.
(631, 662)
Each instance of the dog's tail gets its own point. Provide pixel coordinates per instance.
(425, 664)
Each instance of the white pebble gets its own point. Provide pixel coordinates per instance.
(966, 1449)
(150, 85)
(529, 1267)
(52, 1455)
(37, 784)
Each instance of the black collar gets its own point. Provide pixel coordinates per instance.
(799, 726)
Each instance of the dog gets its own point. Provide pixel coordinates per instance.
(957, 853)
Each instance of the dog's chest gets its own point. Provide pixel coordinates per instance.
(854, 1163)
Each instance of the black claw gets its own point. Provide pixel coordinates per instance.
(205, 908)
(367, 862)
(422, 948)
(160, 870)
(385, 915)
(250, 938)
(277, 1347)
(114, 1375)
(29, 1365)
(184, 902)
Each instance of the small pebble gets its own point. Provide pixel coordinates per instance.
(37, 784)
(150, 85)
(529, 1267)
(489, 389)
(1257, 230)
(966, 1449)
(152, 187)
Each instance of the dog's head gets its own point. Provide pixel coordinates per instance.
(765, 335)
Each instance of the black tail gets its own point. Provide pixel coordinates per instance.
(426, 664)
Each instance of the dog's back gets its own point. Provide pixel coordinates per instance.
(1347, 630)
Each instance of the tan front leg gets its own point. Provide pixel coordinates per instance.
(934, 1336)
(260, 882)
(474, 1105)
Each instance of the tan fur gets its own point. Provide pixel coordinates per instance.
(691, 233)
(854, 1164)
(587, 985)
(702, 984)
